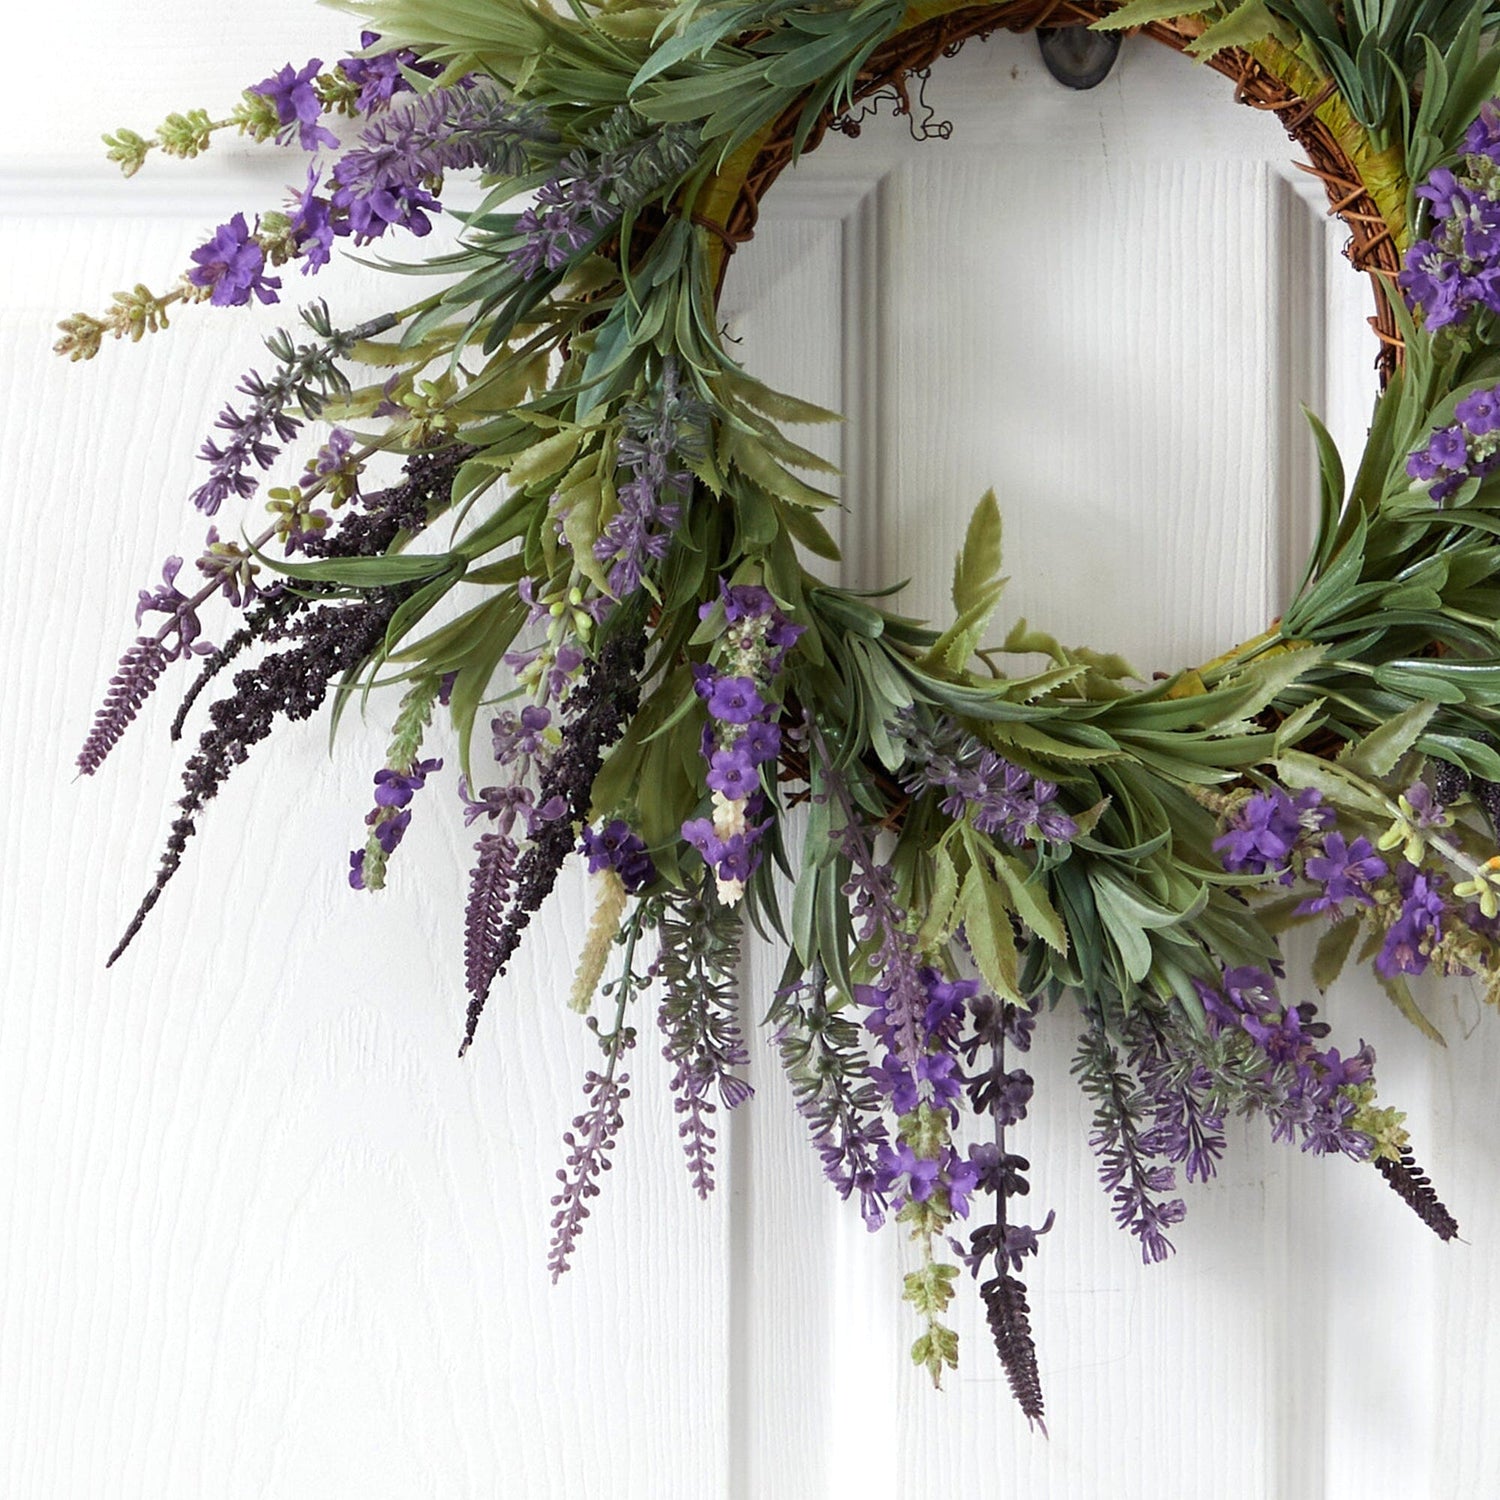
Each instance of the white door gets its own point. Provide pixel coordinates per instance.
(264, 1234)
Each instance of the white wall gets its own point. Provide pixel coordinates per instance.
(262, 1234)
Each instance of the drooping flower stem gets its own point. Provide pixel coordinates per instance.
(593, 1133)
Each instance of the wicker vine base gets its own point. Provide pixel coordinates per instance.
(1372, 247)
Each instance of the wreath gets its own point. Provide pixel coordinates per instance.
(594, 555)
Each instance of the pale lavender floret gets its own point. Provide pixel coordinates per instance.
(182, 626)
(1302, 1086)
(1001, 797)
(298, 107)
(640, 532)
(232, 266)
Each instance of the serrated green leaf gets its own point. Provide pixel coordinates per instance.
(1401, 997)
(1377, 753)
(987, 923)
(937, 925)
(1333, 952)
(1035, 910)
(543, 460)
(1297, 770)
(977, 566)
(1142, 13)
(1246, 24)
(1296, 725)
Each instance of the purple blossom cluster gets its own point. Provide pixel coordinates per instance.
(385, 181)
(1456, 270)
(615, 847)
(1306, 1088)
(298, 108)
(1466, 448)
(389, 819)
(999, 797)
(1262, 833)
(649, 499)
(1418, 927)
(1274, 833)
(380, 76)
(742, 734)
(591, 190)
(566, 215)
(231, 266)
(905, 1172)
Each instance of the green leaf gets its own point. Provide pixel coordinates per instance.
(1296, 725)
(1245, 25)
(545, 459)
(976, 569)
(1296, 770)
(1130, 940)
(937, 925)
(1333, 952)
(987, 922)
(1401, 997)
(1377, 753)
(1142, 13)
(1032, 905)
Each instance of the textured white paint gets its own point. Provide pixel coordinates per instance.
(261, 1234)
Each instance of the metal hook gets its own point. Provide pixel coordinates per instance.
(1077, 57)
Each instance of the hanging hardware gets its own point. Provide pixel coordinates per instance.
(1077, 57)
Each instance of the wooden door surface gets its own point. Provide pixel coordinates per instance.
(263, 1234)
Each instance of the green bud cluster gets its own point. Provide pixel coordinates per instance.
(131, 315)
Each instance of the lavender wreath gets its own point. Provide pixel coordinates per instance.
(603, 510)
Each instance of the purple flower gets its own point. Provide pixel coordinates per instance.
(1408, 945)
(395, 788)
(733, 773)
(1263, 832)
(381, 77)
(357, 869)
(182, 619)
(297, 105)
(1479, 411)
(760, 741)
(1483, 136)
(390, 831)
(615, 847)
(734, 700)
(233, 265)
(312, 227)
(1344, 871)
